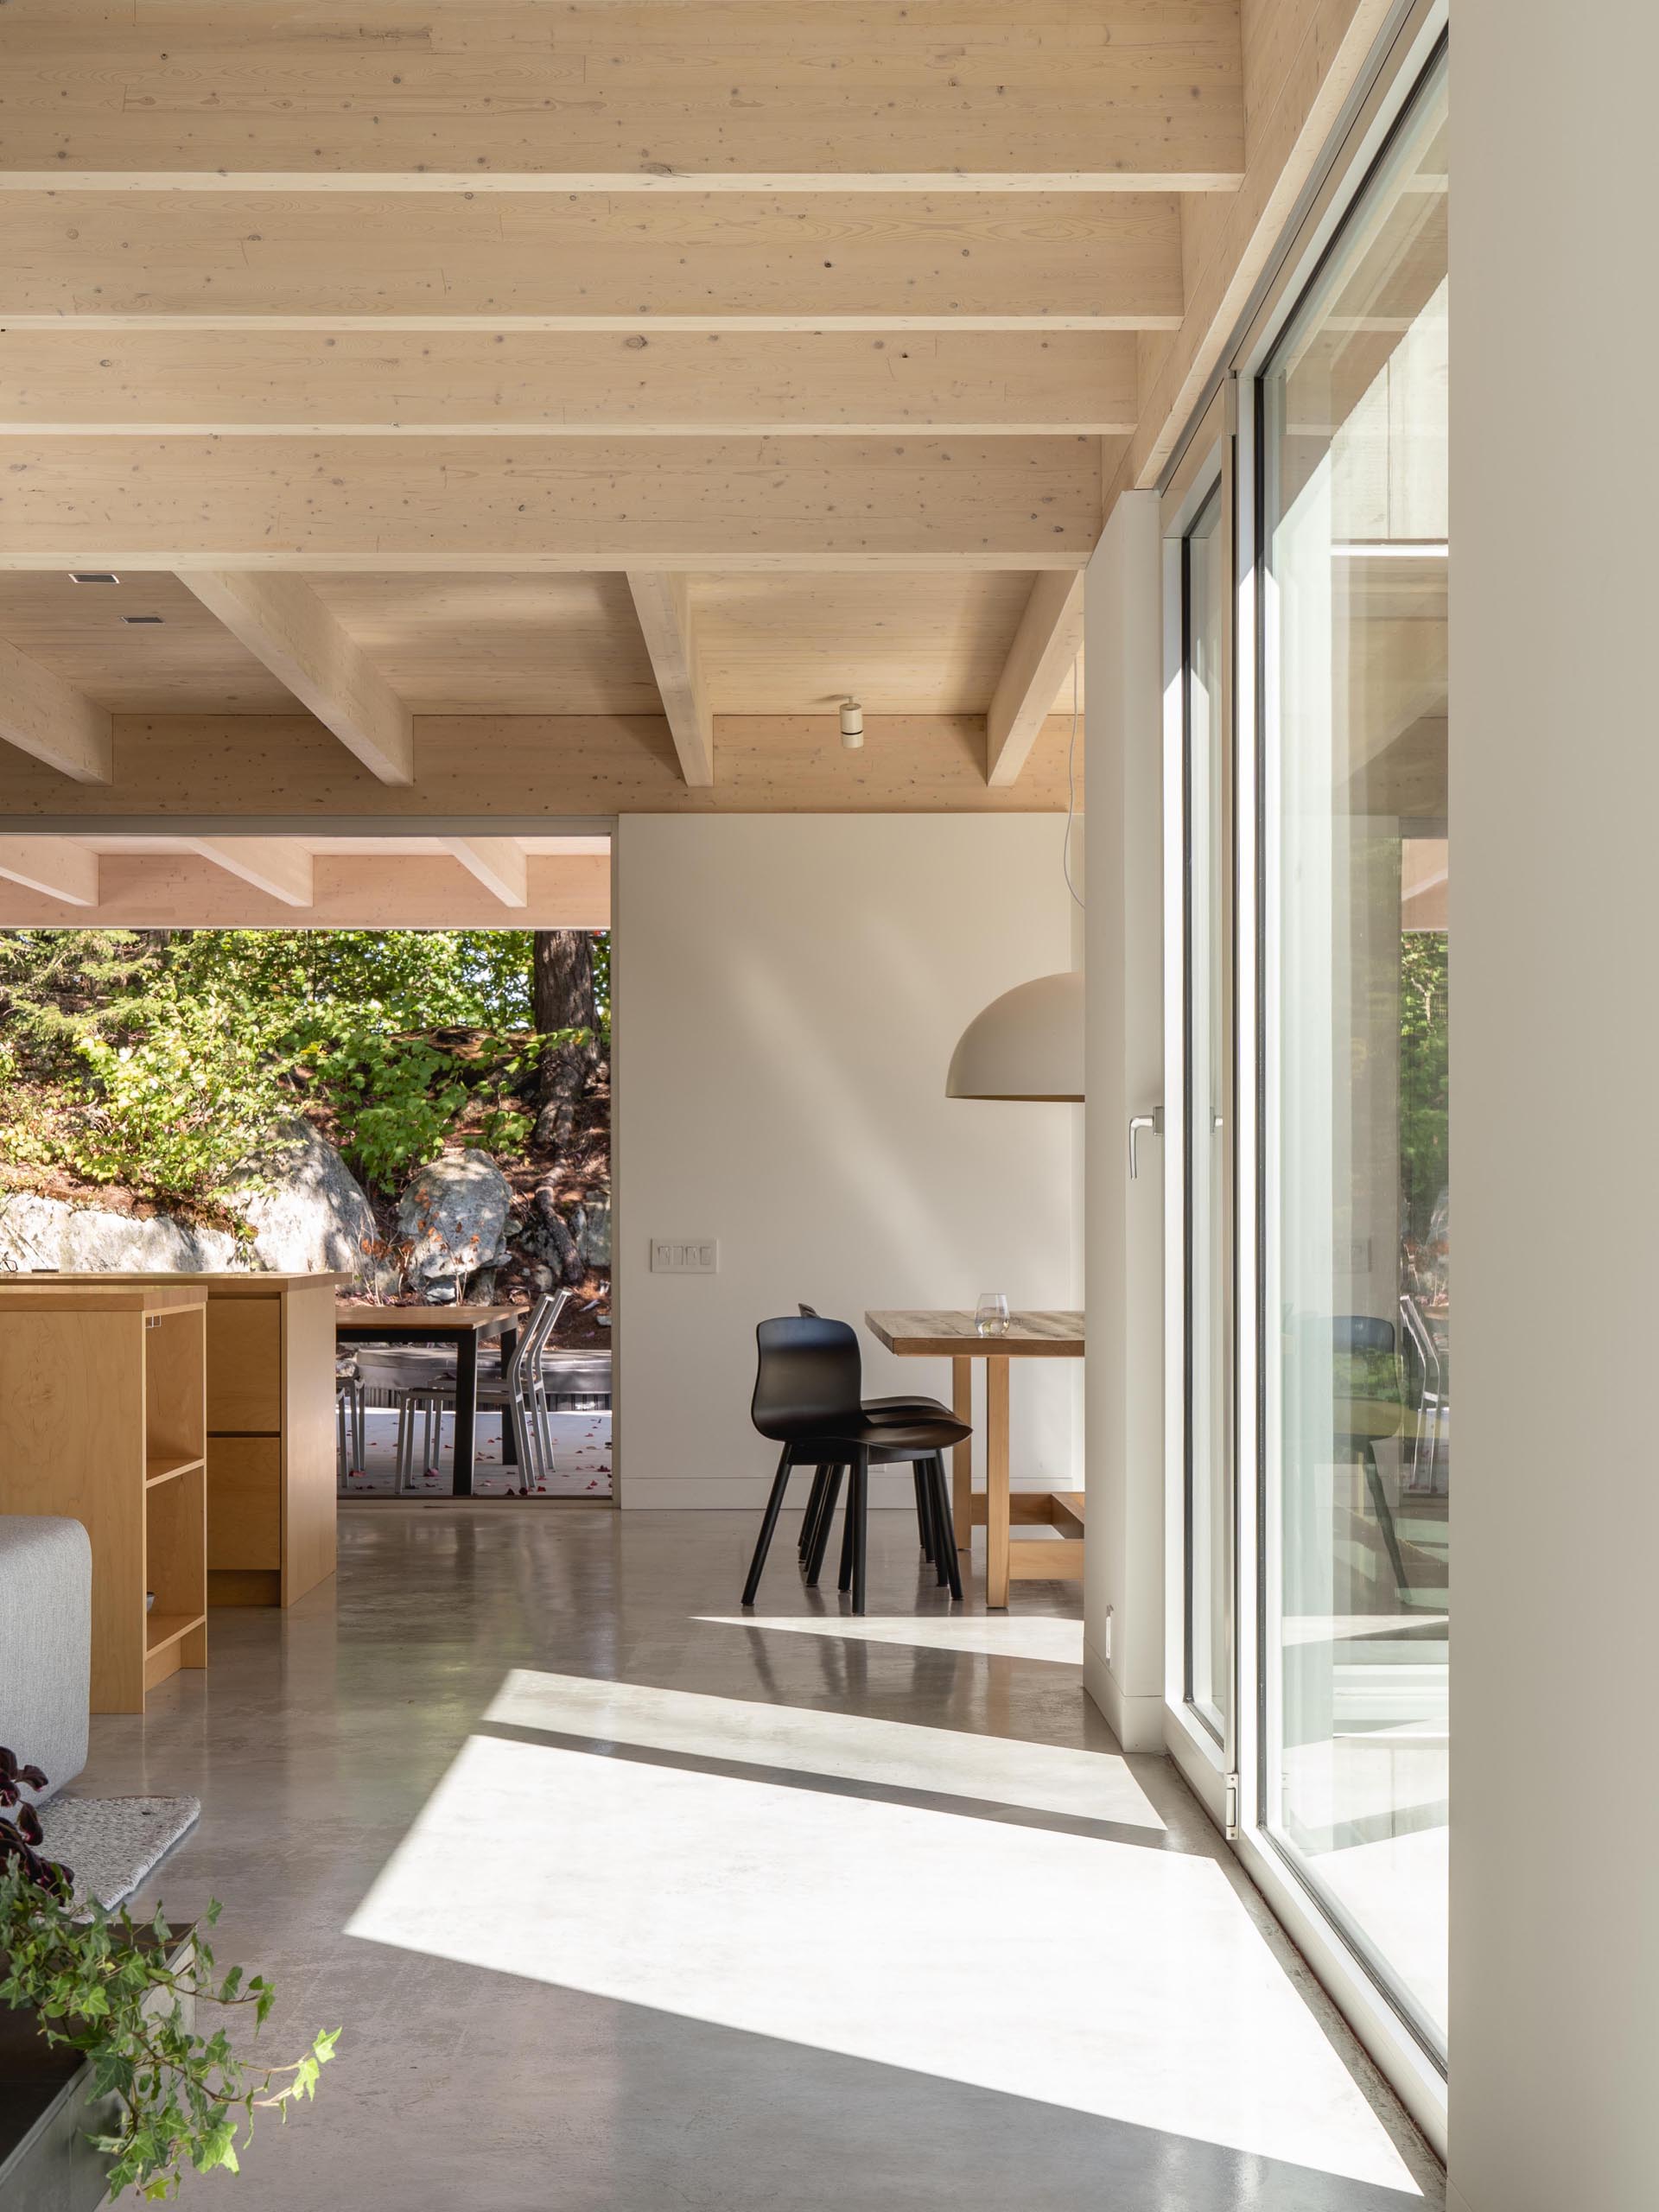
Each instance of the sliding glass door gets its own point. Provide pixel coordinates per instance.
(1209, 1468)
(1201, 1670)
(1351, 469)
(1308, 1240)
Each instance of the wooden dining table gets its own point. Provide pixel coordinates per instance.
(949, 1332)
(463, 1328)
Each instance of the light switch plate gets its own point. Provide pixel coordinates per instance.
(677, 1255)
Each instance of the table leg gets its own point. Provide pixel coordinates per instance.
(509, 1441)
(466, 1412)
(996, 1481)
(961, 1459)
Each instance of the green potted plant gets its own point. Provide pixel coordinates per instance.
(123, 1992)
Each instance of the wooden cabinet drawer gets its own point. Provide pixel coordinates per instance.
(245, 1364)
(245, 1501)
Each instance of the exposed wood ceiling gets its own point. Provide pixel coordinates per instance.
(659, 373)
(100, 879)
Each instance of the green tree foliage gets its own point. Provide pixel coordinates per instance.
(164, 1065)
(1424, 1029)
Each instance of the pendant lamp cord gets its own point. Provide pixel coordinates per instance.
(1071, 791)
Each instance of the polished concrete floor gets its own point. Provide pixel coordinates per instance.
(627, 1904)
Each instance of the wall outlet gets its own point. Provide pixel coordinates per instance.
(673, 1255)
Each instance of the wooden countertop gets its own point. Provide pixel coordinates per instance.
(949, 1333)
(30, 1294)
(221, 1283)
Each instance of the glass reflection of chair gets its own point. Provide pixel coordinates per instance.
(1366, 1417)
(1424, 1477)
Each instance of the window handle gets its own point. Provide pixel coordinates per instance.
(1154, 1120)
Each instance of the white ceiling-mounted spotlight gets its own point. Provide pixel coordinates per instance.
(852, 725)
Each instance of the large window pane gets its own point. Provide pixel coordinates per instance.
(1209, 1120)
(1358, 1434)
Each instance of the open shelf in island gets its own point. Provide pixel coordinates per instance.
(102, 1418)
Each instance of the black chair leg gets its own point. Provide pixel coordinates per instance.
(779, 1485)
(844, 1579)
(1380, 1503)
(858, 1512)
(810, 1520)
(826, 1521)
(928, 1505)
(924, 1518)
(941, 1488)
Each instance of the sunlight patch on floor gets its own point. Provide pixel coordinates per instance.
(1031, 1635)
(1120, 1982)
(843, 1746)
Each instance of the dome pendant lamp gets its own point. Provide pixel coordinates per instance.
(1028, 1043)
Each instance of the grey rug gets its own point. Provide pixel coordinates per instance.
(110, 1844)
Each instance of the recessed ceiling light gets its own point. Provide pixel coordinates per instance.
(137, 621)
(93, 576)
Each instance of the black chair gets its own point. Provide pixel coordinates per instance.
(901, 1409)
(807, 1399)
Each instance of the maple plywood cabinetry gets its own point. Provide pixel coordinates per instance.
(270, 1426)
(271, 1437)
(102, 1418)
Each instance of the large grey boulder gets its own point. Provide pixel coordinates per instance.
(307, 1209)
(41, 1232)
(452, 1221)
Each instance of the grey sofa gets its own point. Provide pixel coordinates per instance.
(45, 1644)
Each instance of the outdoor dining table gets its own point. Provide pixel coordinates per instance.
(949, 1333)
(464, 1328)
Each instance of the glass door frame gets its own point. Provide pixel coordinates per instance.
(1205, 473)
(1228, 1780)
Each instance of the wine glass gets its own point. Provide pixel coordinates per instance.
(991, 1314)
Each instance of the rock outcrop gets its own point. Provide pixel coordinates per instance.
(451, 1223)
(308, 1211)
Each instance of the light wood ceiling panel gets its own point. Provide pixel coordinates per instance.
(188, 664)
(504, 644)
(598, 94)
(365, 504)
(903, 644)
(393, 380)
(795, 261)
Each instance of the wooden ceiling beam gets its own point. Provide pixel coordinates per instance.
(46, 717)
(714, 261)
(56, 867)
(69, 380)
(198, 769)
(1045, 649)
(444, 502)
(664, 605)
(277, 866)
(500, 864)
(284, 625)
(601, 95)
(176, 890)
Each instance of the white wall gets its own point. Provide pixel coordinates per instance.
(1124, 1227)
(1555, 919)
(789, 990)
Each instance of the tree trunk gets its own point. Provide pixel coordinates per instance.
(563, 980)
